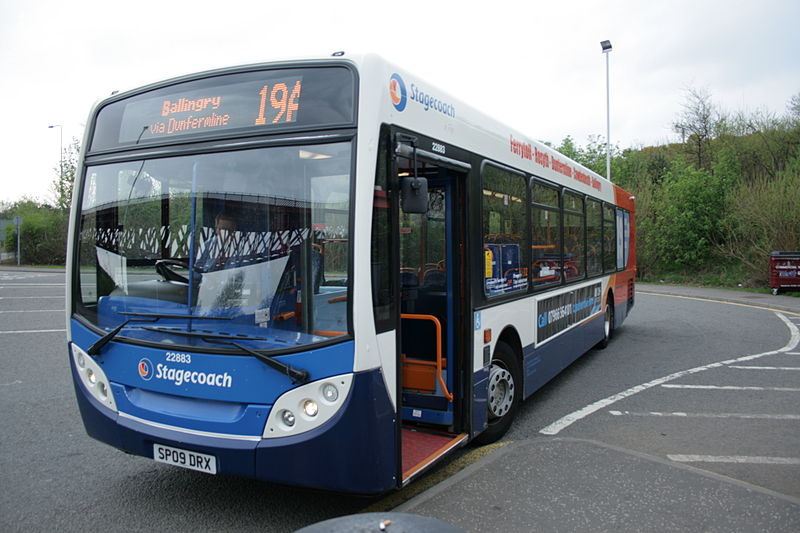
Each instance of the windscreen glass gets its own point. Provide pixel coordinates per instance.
(246, 246)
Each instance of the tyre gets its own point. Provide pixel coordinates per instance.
(505, 393)
(608, 324)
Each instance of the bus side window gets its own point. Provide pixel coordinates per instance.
(574, 241)
(505, 231)
(594, 237)
(609, 238)
(546, 262)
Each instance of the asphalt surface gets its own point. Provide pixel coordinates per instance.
(530, 482)
(565, 484)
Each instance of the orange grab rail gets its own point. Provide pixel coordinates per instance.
(438, 325)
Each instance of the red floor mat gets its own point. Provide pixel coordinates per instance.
(419, 447)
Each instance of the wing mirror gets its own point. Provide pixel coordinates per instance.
(413, 189)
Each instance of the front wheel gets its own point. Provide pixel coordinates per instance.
(505, 393)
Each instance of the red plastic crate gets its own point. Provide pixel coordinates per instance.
(784, 271)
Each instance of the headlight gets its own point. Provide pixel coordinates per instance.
(310, 408)
(93, 377)
(315, 403)
(287, 417)
(330, 392)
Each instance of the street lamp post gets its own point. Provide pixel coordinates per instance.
(606, 46)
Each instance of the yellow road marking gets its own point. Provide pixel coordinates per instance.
(699, 299)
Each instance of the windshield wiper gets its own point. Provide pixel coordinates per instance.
(295, 374)
(94, 349)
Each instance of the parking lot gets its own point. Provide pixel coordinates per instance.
(687, 421)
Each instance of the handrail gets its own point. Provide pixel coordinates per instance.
(438, 325)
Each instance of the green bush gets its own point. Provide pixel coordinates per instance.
(687, 223)
(43, 233)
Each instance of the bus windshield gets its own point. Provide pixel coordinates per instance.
(250, 246)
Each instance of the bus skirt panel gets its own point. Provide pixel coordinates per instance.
(544, 362)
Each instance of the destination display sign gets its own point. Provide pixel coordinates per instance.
(251, 102)
(240, 105)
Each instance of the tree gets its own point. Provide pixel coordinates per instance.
(794, 108)
(568, 148)
(762, 217)
(593, 156)
(697, 125)
(65, 176)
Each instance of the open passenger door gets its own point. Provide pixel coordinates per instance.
(431, 342)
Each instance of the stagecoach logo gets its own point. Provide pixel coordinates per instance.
(397, 90)
(182, 376)
(146, 369)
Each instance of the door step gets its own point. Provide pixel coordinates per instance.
(421, 449)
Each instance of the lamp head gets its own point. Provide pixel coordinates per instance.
(606, 46)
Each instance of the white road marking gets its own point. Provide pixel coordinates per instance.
(35, 311)
(28, 297)
(747, 367)
(741, 459)
(7, 277)
(32, 331)
(681, 414)
(730, 387)
(9, 285)
(566, 421)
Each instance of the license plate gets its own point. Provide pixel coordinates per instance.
(185, 458)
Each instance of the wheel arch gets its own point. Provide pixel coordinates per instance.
(610, 297)
(510, 336)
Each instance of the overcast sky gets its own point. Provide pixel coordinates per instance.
(536, 65)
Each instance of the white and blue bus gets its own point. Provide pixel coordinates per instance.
(327, 272)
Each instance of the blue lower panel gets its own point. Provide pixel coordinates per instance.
(544, 363)
(353, 452)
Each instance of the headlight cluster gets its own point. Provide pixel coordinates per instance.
(93, 377)
(306, 407)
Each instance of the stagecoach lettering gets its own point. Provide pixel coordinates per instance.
(431, 102)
